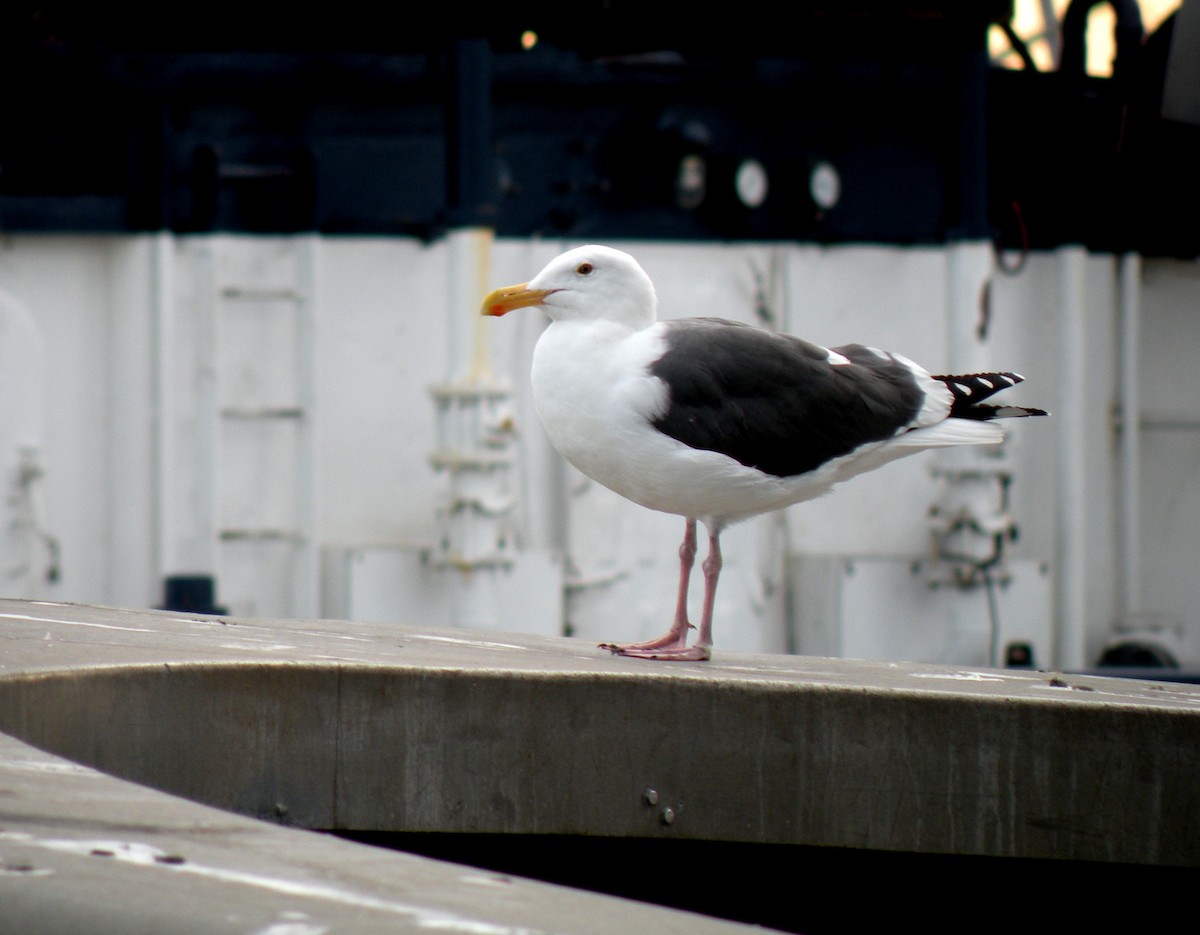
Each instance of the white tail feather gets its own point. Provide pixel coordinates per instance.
(951, 432)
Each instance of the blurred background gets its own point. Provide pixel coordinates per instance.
(242, 368)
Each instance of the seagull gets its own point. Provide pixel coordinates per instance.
(716, 420)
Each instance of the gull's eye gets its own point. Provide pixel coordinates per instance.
(584, 269)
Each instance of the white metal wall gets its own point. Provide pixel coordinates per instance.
(117, 385)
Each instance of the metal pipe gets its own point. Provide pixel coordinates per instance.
(475, 446)
(163, 297)
(305, 582)
(1072, 544)
(1129, 276)
(469, 358)
(476, 438)
(203, 529)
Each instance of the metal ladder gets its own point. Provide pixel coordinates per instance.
(255, 452)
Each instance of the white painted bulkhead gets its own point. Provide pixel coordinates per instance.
(128, 494)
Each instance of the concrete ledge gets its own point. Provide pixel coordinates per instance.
(83, 852)
(335, 725)
(329, 724)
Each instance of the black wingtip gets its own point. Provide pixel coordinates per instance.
(976, 387)
(986, 413)
(971, 389)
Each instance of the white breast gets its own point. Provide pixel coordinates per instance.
(596, 398)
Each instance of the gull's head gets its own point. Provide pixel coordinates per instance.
(590, 282)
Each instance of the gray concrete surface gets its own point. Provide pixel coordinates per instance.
(83, 852)
(329, 724)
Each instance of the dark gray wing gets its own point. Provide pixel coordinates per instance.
(775, 402)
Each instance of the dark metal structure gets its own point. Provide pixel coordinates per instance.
(849, 122)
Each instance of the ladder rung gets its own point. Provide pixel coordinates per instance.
(264, 412)
(274, 535)
(260, 293)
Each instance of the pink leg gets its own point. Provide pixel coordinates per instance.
(687, 558)
(673, 643)
(675, 638)
(712, 571)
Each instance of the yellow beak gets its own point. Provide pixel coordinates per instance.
(506, 298)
